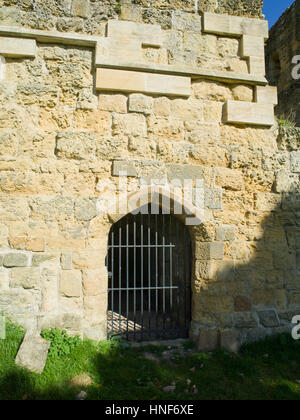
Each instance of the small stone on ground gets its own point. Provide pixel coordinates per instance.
(81, 380)
(81, 396)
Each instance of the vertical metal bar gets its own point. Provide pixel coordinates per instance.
(177, 277)
(149, 269)
(164, 272)
(142, 276)
(134, 278)
(185, 267)
(171, 270)
(127, 277)
(112, 280)
(120, 277)
(156, 270)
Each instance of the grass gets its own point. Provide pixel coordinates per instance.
(268, 370)
(287, 120)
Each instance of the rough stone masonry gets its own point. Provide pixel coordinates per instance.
(162, 89)
(282, 55)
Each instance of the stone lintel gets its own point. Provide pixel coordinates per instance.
(238, 112)
(133, 81)
(16, 47)
(234, 25)
(65, 38)
(228, 77)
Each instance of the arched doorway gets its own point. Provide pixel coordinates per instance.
(149, 263)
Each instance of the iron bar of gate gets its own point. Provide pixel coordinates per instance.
(146, 246)
(134, 271)
(142, 275)
(127, 277)
(156, 271)
(146, 288)
(177, 272)
(120, 276)
(164, 273)
(171, 270)
(149, 270)
(184, 284)
(112, 281)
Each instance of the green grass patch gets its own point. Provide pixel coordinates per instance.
(268, 370)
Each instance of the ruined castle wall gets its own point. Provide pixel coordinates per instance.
(282, 46)
(64, 140)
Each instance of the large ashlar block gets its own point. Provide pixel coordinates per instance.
(150, 35)
(238, 112)
(266, 95)
(235, 26)
(133, 81)
(253, 46)
(125, 49)
(257, 66)
(17, 47)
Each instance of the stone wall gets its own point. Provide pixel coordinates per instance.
(282, 46)
(64, 141)
(90, 16)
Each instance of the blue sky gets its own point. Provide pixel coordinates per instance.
(273, 9)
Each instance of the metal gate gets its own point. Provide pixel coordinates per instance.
(149, 264)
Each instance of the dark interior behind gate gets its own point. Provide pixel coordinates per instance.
(149, 264)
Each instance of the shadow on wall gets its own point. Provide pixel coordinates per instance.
(253, 290)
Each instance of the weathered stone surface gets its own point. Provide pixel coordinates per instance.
(122, 168)
(66, 261)
(230, 340)
(132, 81)
(208, 340)
(71, 283)
(94, 281)
(230, 25)
(49, 282)
(266, 95)
(28, 278)
(282, 53)
(129, 124)
(140, 103)
(4, 280)
(238, 112)
(33, 353)
(80, 8)
(242, 304)
(225, 233)
(59, 137)
(295, 162)
(244, 320)
(113, 103)
(14, 47)
(269, 318)
(15, 260)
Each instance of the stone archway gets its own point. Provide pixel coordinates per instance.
(96, 306)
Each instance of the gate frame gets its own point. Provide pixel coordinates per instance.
(95, 316)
